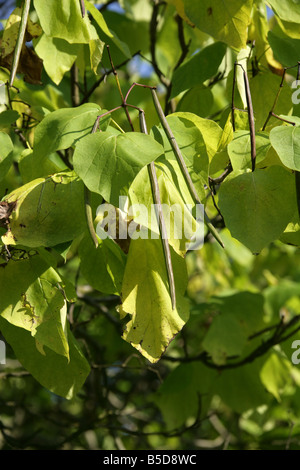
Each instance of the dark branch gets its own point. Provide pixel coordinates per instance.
(277, 338)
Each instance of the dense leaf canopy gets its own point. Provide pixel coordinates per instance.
(113, 335)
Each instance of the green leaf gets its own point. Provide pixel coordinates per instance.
(218, 163)
(33, 299)
(188, 390)
(58, 130)
(226, 21)
(47, 99)
(277, 297)
(53, 371)
(29, 169)
(57, 54)
(286, 142)
(62, 128)
(198, 68)
(266, 85)
(290, 28)
(291, 235)
(8, 117)
(179, 221)
(198, 100)
(238, 316)
(276, 374)
(287, 10)
(146, 299)
(239, 149)
(98, 17)
(96, 50)
(241, 388)
(264, 206)
(198, 140)
(242, 59)
(285, 49)
(210, 130)
(49, 211)
(108, 163)
(194, 151)
(103, 267)
(64, 21)
(6, 154)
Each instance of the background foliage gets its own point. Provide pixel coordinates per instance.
(84, 368)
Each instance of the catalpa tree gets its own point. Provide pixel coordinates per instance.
(149, 179)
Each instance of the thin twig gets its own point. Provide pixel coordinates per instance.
(96, 123)
(282, 119)
(183, 45)
(276, 99)
(103, 77)
(221, 178)
(119, 88)
(170, 104)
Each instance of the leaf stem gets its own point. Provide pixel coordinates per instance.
(160, 217)
(96, 123)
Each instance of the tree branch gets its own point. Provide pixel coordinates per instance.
(277, 338)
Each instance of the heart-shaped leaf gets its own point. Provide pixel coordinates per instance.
(257, 206)
(108, 163)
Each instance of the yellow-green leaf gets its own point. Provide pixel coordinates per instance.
(146, 299)
(225, 20)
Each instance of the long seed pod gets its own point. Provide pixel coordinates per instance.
(20, 41)
(297, 181)
(89, 216)
(87, 202)
(160, 217)
(180, 159)
(250, 119)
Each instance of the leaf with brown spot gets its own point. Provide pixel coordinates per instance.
(29, 64)
(6, 209)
